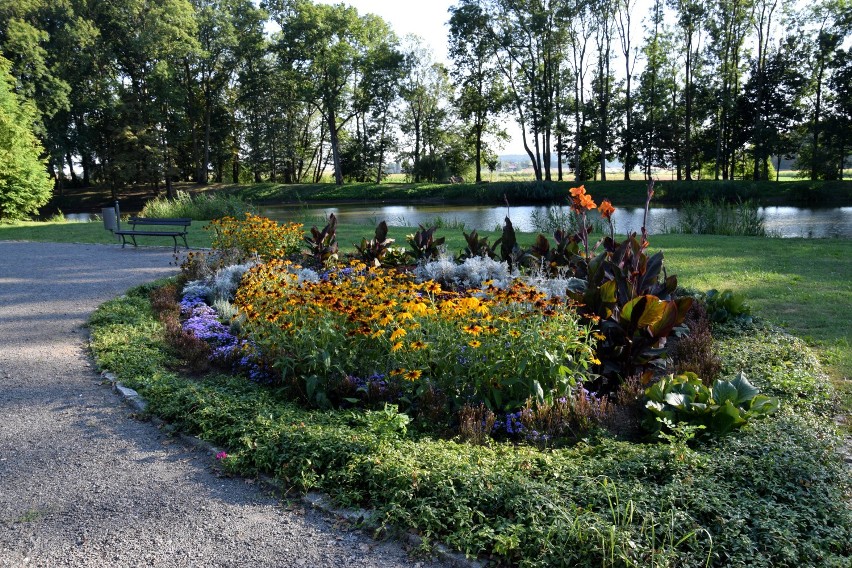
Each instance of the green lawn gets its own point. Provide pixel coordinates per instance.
(804, 285)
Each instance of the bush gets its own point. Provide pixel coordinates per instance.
(707, 217)
(256, 237)
(24, 183)
(695, 352)
(199, 207)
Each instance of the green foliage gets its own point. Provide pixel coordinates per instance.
(725, 306)
(322, 245)
(476, 246)
(778, 363)
(24, 183)
(199, 207)
(373, 251)
(707, 217)
(632, 303)
(600, 503)
(724, 407)
(424, 244)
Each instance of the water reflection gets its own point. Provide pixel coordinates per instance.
(780, 221)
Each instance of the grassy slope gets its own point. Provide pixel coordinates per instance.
(804, 285)
(622, 192)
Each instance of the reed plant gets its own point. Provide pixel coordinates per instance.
(708, 217)
(199, 207)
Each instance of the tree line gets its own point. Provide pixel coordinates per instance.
(154, 91)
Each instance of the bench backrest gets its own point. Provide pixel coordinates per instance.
(184, 221)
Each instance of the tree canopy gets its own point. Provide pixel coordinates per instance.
(24, 183)
(133, 92)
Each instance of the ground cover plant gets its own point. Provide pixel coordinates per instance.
(771, 496)
(551, 481)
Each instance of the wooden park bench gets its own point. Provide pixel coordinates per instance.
(150, 227)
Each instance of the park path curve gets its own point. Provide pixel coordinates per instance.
(82, 483)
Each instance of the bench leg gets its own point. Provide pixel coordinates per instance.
(134, 240)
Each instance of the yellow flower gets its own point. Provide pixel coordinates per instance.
(378, 333)
(475, 343)
(397, 333)
(396, 372)
(514, 333)
(413, 375)
(472, 329)
(599, 336)
(418, 345)
(396, 346)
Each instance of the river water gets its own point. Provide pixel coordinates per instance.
(779, 221)
(782, 222)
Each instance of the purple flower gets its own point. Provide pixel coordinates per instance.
(221, 455)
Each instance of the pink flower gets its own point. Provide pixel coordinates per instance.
(221, 455)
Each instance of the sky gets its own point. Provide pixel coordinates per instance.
(425, 18)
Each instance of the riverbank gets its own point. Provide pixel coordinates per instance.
(625, 193)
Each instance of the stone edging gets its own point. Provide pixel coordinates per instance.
(363, 517)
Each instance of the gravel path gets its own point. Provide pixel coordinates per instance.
(82, 483)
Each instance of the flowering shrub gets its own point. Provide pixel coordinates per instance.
(256, 236)
(499, 347)
(226, 349)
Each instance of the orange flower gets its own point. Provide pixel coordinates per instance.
(606, 209)
(584, 201)
(577, 191)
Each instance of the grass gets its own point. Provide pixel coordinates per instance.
(803, 285)
(94, 232)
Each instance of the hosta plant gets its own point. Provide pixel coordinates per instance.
(727, 305)
(725, 406)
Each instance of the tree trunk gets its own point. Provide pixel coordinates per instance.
(335, 144)
(71, 168)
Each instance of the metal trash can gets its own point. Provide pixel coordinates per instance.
(108, 215)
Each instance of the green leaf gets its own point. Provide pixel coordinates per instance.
(763, 405)
(607, 291)
(745, 390)
(724, 391)
(727, 418)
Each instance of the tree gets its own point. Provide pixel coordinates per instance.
(24, 183)
(480, 88)
(322, 44)
(624, 12)
(690, 14)
(830, 19)
(529, 37)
